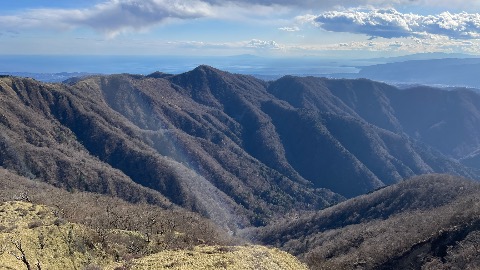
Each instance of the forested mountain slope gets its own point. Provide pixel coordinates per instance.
(236, 149)
(428, 222)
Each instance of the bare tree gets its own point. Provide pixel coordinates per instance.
(22, 257)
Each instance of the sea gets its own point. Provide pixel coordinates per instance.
(114, 64)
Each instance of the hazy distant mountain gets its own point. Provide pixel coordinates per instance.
(48, 77)
(50, 68)
(422, 56)
(441, 72)
(41, 66)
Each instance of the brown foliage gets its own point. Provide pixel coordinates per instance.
(429, 221)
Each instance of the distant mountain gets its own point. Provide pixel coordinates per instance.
(236, 149)
(48, 77)
(42, 66)
(428, 222)
(472, 160)
(422, 56)
(436, 72)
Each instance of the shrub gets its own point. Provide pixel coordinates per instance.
(59, 221)
(35, 224)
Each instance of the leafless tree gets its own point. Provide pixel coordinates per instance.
(22, 257)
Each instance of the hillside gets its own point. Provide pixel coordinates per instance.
(61, 230)
(428, 222)
(34, 236)
(101, 218)
(218, 257)
(233, 148)
(72, 138)
(413, 223)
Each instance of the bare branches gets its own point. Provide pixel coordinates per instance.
(37, 264)
(22, 257)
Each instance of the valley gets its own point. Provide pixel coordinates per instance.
(324, 169)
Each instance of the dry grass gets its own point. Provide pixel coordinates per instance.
(66, 245)
(63, 246)
(217, 257)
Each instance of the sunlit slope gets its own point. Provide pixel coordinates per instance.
(32, 234)
(45, 239)
(97, 229)
(219, 257)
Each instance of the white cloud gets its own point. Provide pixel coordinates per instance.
(306, 19)
(290, 29)
(112, 17)
(116, 16)
(119, 15)
(389, 23)
(445, 31)
(328, 4)
(262, 44)
(398, 46)
(255, 44)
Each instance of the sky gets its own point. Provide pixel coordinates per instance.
(275, 28)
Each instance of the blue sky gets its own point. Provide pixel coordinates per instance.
(277, 28)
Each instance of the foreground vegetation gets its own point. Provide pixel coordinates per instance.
(84, 228)
(34, 237)
(219, 257)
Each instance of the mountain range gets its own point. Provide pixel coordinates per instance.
(243, 152)
(231, 146)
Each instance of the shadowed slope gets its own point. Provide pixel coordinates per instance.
(412, 223)
(159, 155)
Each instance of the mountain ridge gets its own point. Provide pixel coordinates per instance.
(232, 147)
(313, 166)
(410, 224)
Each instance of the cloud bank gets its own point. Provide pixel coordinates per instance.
(290, 29)
(116, 16)
(111, 17)
(389, 23)
(262, 44)
(328, 4)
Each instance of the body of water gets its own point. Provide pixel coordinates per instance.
(172, 64)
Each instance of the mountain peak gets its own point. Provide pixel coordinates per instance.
(159, 75)
(208, 70)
